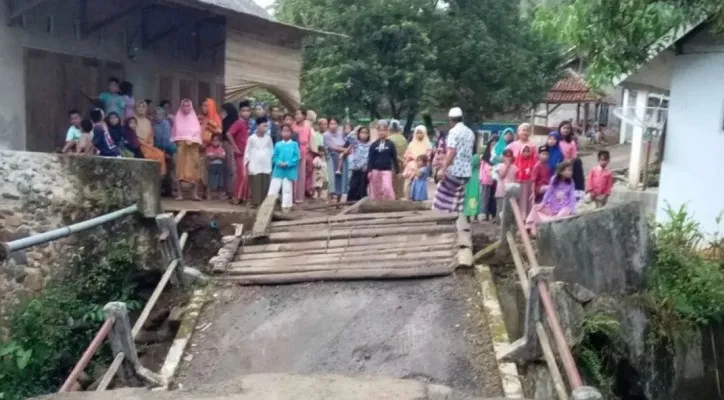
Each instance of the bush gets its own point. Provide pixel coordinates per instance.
(687, 271)
(50, 332)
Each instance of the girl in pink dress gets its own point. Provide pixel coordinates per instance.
(558, 201)
(505, 173)
(304, 129)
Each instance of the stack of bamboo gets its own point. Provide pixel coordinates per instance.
(354, 246)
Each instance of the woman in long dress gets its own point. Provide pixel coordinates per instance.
(210, 125)
(186, 134)
(304, 129)
(230, 115)
(144, 131)
(334, 144)
(419, 145)
(396, 137)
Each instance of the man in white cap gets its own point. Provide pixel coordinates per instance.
(457, 165)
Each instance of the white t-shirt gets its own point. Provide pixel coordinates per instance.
(258, 154)
(73, 134)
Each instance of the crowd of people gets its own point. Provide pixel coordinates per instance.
(248, 152)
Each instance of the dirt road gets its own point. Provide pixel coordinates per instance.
(431, 330)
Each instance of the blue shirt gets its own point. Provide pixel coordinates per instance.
(286, 151)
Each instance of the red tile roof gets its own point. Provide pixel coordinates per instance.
(572, 89)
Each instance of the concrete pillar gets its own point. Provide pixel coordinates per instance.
(624, 125)
(637, 142)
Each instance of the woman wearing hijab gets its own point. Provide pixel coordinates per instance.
(144, 131)
(396, 137)
(438, 155)
(162, 140)
(130, 143)
(230, 115)
(335, 145)
(506, 137)
(186, 134)
(116, 130)
(211, 125)
(555, 155)
(419, 145)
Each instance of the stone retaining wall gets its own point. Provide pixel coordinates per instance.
(40, 192)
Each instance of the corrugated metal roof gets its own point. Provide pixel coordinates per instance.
(241, 6)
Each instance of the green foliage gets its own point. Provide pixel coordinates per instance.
(599, 349)
(405, 56)
(615, 36)
(682, 276)
(50, 332)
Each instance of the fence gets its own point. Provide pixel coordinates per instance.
(534, 282)
(117, 325)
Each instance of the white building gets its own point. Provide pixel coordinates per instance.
(57, 54)
(688, 66)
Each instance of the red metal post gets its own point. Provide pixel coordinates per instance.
(87, 355)
(569, 364)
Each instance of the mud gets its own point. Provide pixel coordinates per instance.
(431, 330)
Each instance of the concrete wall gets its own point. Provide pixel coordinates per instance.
(107, 44)
(40, 192)
(691, 172)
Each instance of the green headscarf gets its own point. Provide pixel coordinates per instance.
(500, 146)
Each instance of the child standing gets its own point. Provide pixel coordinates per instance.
(418, 187)
(600, 181)
(258, 161)
(216, 159)
(524, 176)
(285, 159)
(319, 176)
(506, 172)
(358, 164)
(383, 165)
(541, 174)
(487, 194)
(558, 201)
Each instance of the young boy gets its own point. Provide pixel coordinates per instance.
(85, 143)
(319, 176)
(216, 158)
(600, 181)
(258, 161)
(73, 136)
(112, 99)
(101, 138)
(541, 174)
(285, 160)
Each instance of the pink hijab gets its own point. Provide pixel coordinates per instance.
(186, 127)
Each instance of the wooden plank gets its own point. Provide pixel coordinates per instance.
(351, 274)
(356, 233)
(382, 248)
(393, 206)
(111, 373)
(358, 217)
(339, 259)
(291, 268)
(406, 221)
(464, 253)
(346, 243)
(264, 217)
(170, 270)
(355, 207)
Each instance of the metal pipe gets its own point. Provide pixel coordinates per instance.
(20, 244)
(569, 364)
(87, 355)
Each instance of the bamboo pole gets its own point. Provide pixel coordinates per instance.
(377, 222)
(356, 233)
(393, 206)
(355, 207)
(359, 217)
(350, 274)
(287, 269)
(360, 251)
(337, 259)
(347, 243)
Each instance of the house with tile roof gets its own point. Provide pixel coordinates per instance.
(57, 55)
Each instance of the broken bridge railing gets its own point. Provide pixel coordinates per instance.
(117, 326)
(534, 282)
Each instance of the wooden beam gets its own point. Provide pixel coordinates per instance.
(18, 12)
(87, 30)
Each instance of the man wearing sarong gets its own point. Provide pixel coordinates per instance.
(457, 166)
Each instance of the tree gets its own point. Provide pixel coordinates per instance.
(404, 56)
(616, 36)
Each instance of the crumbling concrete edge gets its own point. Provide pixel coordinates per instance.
(512, 386)
(186, 329)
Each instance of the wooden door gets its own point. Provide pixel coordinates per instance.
(42, 74)
(220, 93)
(186, 90)
(204, 91)
(165, 89)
